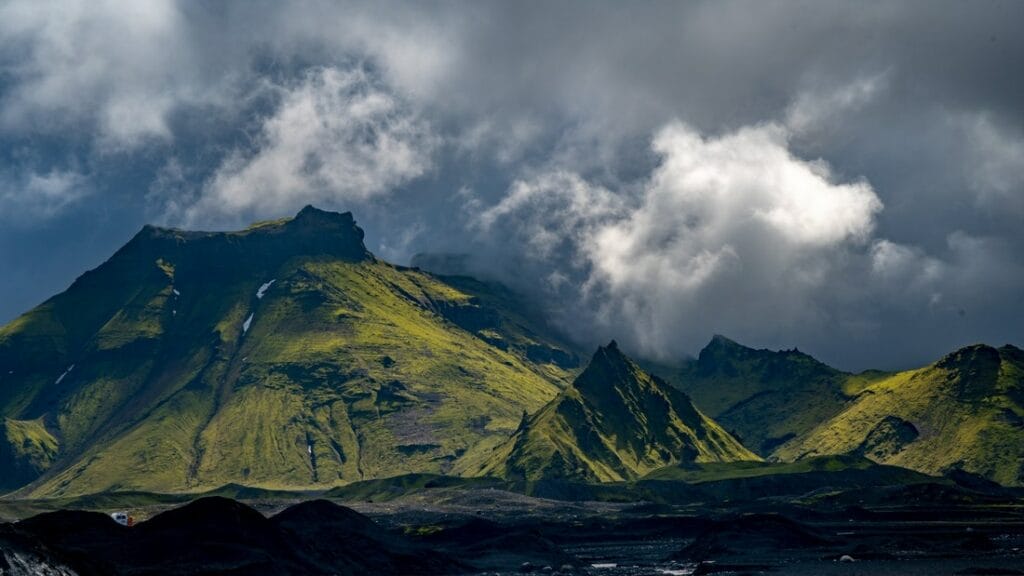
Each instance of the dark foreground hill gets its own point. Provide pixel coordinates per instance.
(934, 527)
(217, 535)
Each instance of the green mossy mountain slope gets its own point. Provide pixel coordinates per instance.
(281, 356)
(765, 397)
(615, 422)
(966, 411)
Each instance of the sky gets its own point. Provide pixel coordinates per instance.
(842, 177)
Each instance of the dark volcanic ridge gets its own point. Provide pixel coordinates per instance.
(218, 535)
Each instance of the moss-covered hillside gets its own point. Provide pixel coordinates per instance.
(965, 411)
(615, 422)
(281, 356)
(765, 397)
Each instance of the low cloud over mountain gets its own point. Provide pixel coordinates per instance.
(845, 178)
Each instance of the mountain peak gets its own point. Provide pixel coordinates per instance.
(974, 369)
(321, 231)
(608, 365)
(615, 422)
(310, 232)
(332, 231)
(970, 357)
(312, 216)
(721, 350)
(721, 343)
(610, 353)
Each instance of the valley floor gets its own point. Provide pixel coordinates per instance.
(493, 531)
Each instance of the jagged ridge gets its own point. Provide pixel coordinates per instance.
(965, 411)
(616, 422)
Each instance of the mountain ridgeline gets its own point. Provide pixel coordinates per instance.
(287, 356)
(964, 412)
(615, 422)
(283, 355)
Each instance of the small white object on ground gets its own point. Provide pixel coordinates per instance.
(61, 377)
(248, 321)
(263, 289)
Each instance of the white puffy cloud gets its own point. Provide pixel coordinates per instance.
(996, 157)
(336, 137)
(815, 108)
(30, 196)
(725, 229)
(739, 228)
(736, 224)
(120, 67)
(551, 212)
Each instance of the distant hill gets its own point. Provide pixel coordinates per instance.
(765, 397)
(615, 422)
(280, 356)
(965, 411)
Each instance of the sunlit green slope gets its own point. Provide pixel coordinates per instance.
(965, 411)
(765, 397)
(284, 355)
(615, 422)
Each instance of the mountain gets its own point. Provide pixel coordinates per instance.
(284, 355)
(615, 422)
(765, 397)
(965, 411)
(786, 405)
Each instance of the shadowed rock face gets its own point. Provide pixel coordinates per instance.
(218, 535)
(764, 397)
(973, 370)
(888, 438)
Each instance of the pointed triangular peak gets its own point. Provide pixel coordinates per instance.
(607, 367)
(615, 422)
(720, 348)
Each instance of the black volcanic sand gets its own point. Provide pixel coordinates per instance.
(491, 531)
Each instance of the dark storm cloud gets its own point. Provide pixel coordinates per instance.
(845, 177)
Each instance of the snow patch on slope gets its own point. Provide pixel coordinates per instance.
(61, 377)
(263, 289)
